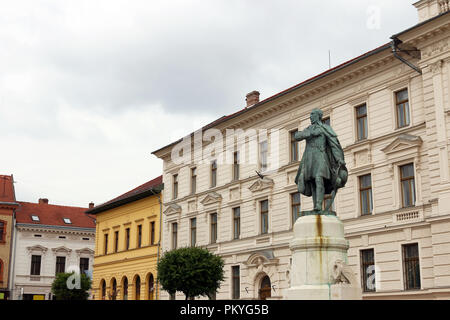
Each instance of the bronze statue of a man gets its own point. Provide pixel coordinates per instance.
(322, 169)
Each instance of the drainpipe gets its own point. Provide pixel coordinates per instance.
(394, 45)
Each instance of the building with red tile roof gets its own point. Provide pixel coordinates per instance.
(53, 215)
(7, 206)
(49, 239)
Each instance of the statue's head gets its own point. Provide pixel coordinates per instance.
(316, 115)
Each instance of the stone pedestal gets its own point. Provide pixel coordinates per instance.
(317, 245)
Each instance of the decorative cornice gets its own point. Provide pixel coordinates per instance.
(402, 142)
(85, 250)
(62, 249)
(436, 67)
(37, 248)
(211, 198)
(54, 229)
(172, 209)
(261, 184)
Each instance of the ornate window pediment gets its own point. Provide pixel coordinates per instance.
(211, 198)
(403, 142)
(85, 251)
(172, 209)
(37, 248)
(261, 184)
(62, 249)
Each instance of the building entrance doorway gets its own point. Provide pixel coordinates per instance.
(265, 288)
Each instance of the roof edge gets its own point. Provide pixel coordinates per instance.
(420, 24)
(289, 90)
(135, 197)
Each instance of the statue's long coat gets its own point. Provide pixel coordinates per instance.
(324, 163)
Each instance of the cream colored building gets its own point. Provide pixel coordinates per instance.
(391, 111)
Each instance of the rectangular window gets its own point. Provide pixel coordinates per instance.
(175, 186)
(152, 232)
(84, 265)
(60, 265)
(116, 241)
(402, 108)
(214, 228)
(361, 122)
(236, 165)
(236, 222)
(193, 231)
(368, 270)
(139, 235)
(294, 146)
(174, 235)
(295, 206)
(213, 174)
(264, 211)
(2, 231)
(408, 185)
(127, 238)
(365, 194)
(263, 153)
(236, 284)
(35, 265)
(106, 244)
(411, 267)
(193, 180)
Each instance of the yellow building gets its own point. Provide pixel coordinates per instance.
(127, 245)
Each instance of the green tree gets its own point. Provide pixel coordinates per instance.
(71, 286)
(193, 271)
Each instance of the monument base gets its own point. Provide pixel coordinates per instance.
(324, 292)
(319, 268)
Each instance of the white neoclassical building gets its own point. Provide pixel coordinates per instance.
(391, 110)
(49, 239)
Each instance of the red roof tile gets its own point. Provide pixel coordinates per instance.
(53, 215)
(7, 193)
(122, 199)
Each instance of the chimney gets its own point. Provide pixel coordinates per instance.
(43, 201)
(252, 98)
(91, 205)
(428, 9)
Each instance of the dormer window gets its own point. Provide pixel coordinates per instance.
(35, 218)
(67, 220)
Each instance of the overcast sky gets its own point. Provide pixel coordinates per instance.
(88, 89)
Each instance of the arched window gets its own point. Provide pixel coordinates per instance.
(137, 284)
(150, 286)
(113, 289)
(125, 288)
(103, 289)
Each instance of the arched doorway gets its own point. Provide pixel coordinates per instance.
(150, 287)
(265, 288)
(124, 288)
(103, 289)
(113, 289)
(137, 288)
